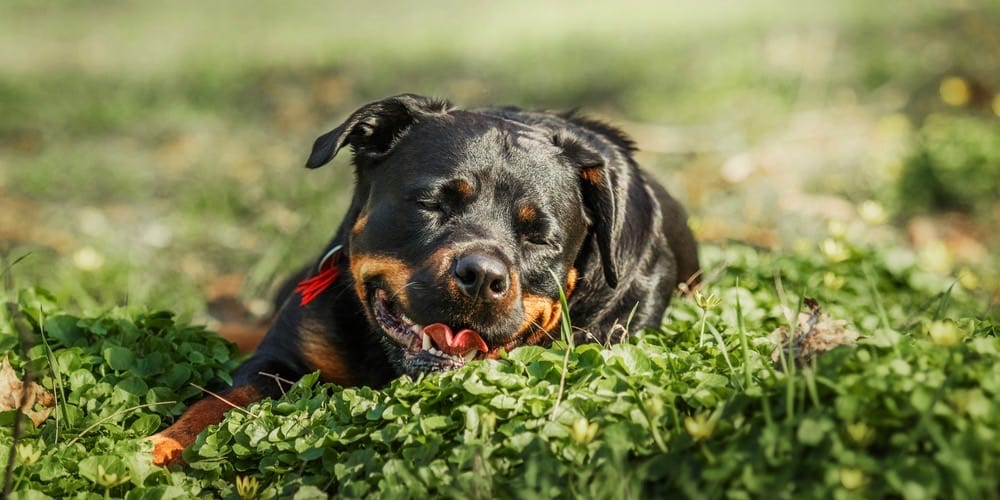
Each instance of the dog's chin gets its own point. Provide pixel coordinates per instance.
(414, 348)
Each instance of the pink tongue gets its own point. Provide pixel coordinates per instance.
(456, 344)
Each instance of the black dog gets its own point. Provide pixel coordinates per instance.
(463, 228)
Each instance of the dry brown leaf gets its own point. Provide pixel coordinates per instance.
(815, 333)
(39, 402)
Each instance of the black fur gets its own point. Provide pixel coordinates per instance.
(632, 245)
(546, 197)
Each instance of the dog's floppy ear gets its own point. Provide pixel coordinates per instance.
(599, 199)
(374, 128)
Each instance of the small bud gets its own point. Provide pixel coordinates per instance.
(852, 479)
(860, 433)
(837, 229)
(583, 431)
(109, 479)
(835, 251)
(833, 281)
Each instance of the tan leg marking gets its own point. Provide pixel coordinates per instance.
(168, 444)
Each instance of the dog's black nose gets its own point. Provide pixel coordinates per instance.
(482, 277)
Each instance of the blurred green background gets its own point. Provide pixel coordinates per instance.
(151, 152)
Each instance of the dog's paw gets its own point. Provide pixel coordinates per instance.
(166, 450)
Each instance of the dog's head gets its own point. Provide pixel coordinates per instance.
(467, 226)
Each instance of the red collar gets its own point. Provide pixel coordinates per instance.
(326, 273)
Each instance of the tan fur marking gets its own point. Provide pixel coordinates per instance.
(570, 282)
(464, 188)
(440, 261)
(593, 175)
(542, 314)
(359, 225)
(394, 272)
(321, 355)
(168, 445)
(527, 213)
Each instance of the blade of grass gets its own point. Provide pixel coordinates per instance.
(116, 415)
(722, 347)
(787, 365)
(60, 393)
(744, 343)
(6, 270)
(566, 332)
(876, 296)
(943, 304)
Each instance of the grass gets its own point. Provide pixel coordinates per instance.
(911, 410)
(160, 117)
(150, 156)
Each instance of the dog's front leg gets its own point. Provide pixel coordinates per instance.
(171, 442)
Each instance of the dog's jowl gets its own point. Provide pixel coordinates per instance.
(464, 227)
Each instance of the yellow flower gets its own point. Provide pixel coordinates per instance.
(835, 251)
(968, 279)
(707, 302)
(955, 91)
(583, 431)
(944, 332)
(873, 213)
(851, 478)
(833, 281)
(27, 454)
(88, 259)
(247, 487)
(699, 426)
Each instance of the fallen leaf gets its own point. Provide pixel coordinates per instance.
(38, 403)
(815, 333)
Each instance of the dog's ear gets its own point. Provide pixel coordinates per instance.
(597, 189)
(374, 128)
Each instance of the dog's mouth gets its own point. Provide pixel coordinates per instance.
(436, 346)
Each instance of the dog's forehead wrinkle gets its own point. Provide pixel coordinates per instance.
(516, 158)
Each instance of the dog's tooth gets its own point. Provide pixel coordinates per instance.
(469, 356)
(426, 340)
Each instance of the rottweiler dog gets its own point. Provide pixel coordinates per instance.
(463, 228)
